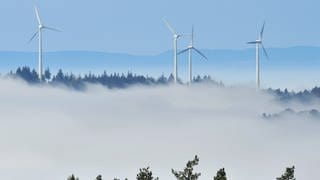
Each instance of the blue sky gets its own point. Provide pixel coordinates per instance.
(136, 27)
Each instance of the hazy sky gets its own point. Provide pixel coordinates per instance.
(136, 26)
(49, 133)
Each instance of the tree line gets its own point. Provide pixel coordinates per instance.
(112, 80)
(117, 80)
(187, 173)
(305, 95)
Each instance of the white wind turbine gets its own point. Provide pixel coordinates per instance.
(175, 50)
(39, 33)
(258, 42)
(189, 49)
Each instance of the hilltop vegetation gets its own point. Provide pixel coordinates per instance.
(304, 96)
(116, 80)
(112, 80)
(188, 173)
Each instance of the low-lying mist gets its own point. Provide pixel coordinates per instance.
(50, 133)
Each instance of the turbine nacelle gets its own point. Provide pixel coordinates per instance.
(191, 47)
(177, 36)
(255, 42)
(260, 42)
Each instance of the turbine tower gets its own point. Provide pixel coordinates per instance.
(189, 49)
(39, 33)
(175, 50)
(259, 43)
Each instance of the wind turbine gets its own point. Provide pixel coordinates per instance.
(189, 49)
(39, 33)
(259, 42)
(175, 50)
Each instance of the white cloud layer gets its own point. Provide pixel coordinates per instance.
(49, 133)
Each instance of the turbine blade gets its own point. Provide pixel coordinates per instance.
(169, 26)
(265, 52)
(199, 52)
(252, 42)
(183, 51)
(38, 15)
(262, 30)
(192, 35)
(52, 29)
(35, 34)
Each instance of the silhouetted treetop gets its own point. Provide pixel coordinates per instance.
(72, 177)
(221, 175)
(187, 173)
(99, 177)
(146, 174)
(288, 175)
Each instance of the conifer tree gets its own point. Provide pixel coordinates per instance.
(72, 177)
(221, 175)
(187, 173)
(99, 177)
(146, 174)
(288, 175)
(47, 74)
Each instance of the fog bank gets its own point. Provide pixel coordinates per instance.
(49, 133)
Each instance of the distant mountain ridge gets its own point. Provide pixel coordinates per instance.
(217, 56)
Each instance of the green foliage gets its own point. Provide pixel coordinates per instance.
(47, 74)
(221, 175)
(187, 173)
(288, 175)
(72, 177)
(146, 174)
